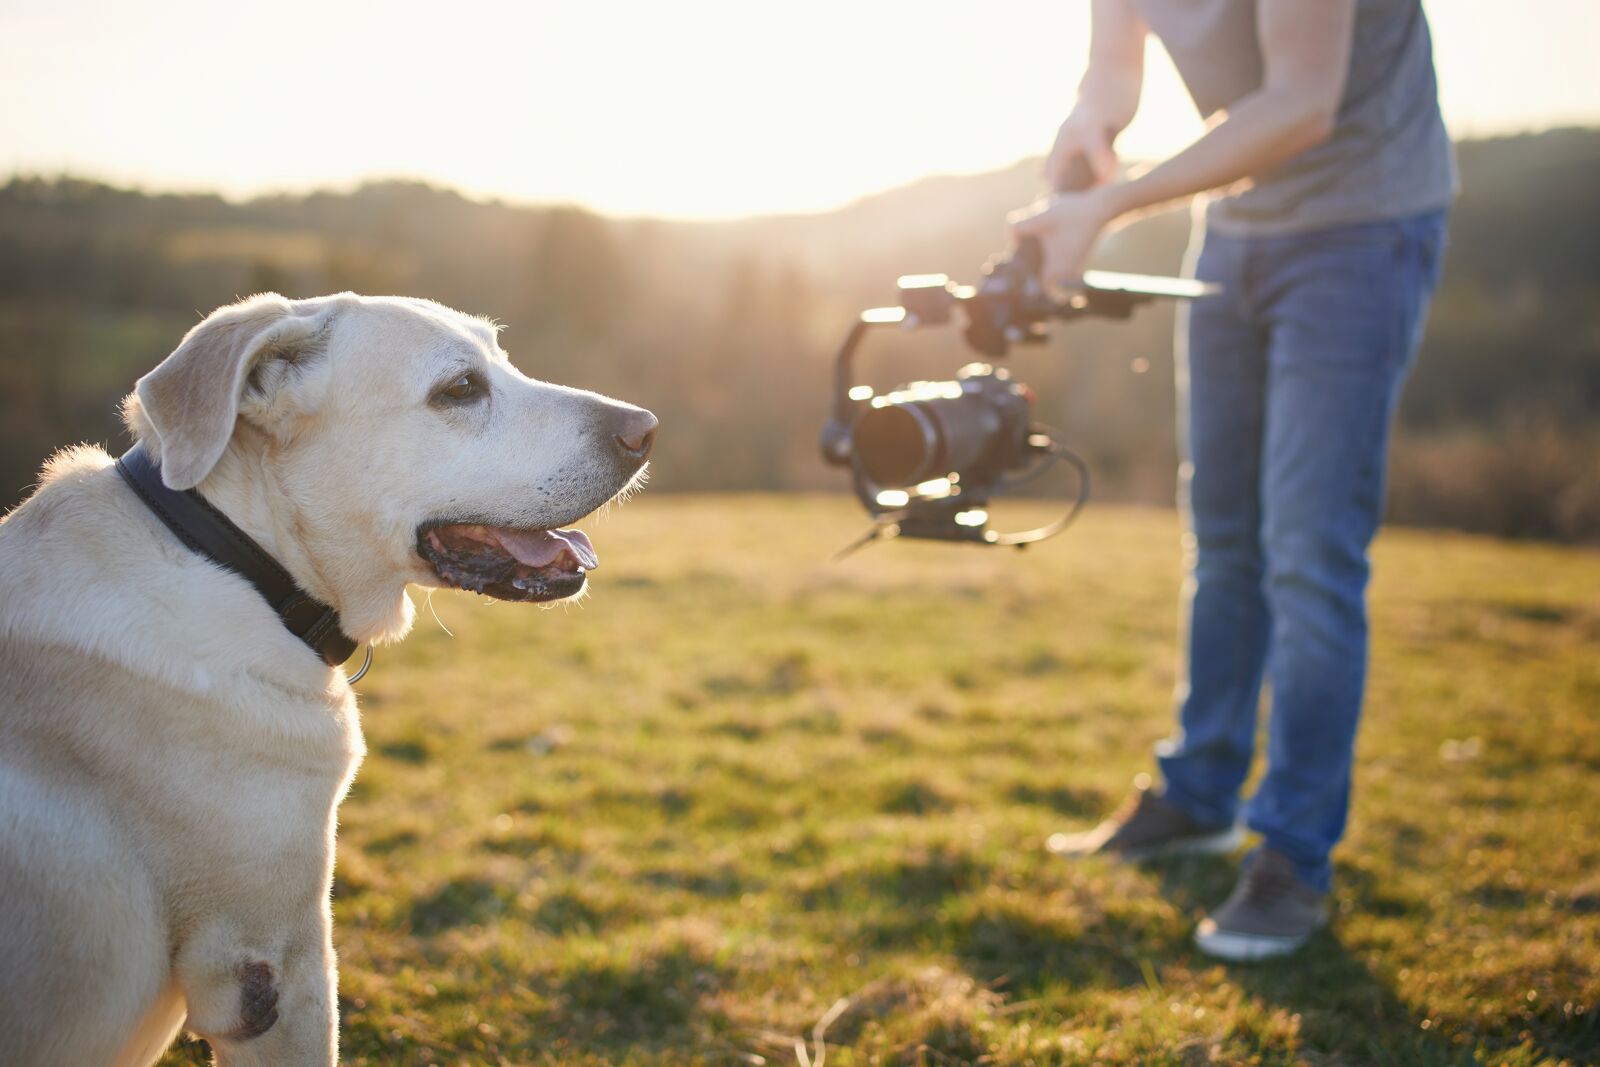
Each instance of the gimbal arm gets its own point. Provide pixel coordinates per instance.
(835, 437)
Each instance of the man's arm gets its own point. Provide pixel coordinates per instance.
(1108, 96)
(1305, 47)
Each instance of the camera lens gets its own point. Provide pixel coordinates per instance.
(898, 445)
(975, 427)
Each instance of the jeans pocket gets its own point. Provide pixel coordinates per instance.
(1421, 261)
(1435, 241)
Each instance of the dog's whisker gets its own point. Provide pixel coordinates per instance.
(435, 613)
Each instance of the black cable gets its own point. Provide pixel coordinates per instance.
(1028, 537)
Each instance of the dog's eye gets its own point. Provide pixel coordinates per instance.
(463, 388)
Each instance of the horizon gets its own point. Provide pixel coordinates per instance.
(355, 186)
(909, 92)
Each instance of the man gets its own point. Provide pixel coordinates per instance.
(1331, 173)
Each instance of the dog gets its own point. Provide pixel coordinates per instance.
(173, 746)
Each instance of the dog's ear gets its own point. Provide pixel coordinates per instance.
(192, 398)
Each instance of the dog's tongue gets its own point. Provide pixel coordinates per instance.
(542, 548)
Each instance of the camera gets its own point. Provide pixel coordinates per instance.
(973, 430)
(927, 457)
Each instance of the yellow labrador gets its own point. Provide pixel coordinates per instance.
(173, 743)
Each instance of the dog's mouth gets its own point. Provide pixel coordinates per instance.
(508, 564)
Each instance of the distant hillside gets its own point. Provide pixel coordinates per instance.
(726, 329)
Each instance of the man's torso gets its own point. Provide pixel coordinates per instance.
(1389, 155)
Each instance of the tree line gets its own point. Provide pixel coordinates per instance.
(727, 329)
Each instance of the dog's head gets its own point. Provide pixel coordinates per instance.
(376, 441)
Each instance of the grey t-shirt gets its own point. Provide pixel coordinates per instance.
(1389, 155)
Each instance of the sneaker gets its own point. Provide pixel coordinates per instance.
(1271, 912)
(1146, 827)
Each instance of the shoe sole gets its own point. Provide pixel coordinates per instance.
(1247, 948)
(1218, 844)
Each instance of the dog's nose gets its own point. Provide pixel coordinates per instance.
(636, 432)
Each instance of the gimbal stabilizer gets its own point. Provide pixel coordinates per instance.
(926, 457)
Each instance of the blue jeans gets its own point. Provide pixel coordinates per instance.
(1287, 385)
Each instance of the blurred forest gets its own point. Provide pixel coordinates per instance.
(727, 329)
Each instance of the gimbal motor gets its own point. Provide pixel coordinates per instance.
(927, 457)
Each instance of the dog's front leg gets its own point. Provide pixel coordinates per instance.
(263, 1003)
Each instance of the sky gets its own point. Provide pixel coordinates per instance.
(690, 109)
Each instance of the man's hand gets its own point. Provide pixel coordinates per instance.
(1068, 226)
(1082, 148)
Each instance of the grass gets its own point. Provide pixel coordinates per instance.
(679, 823)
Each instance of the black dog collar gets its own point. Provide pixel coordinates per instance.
(210, 533)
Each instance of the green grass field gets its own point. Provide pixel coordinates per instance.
(681, 822)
